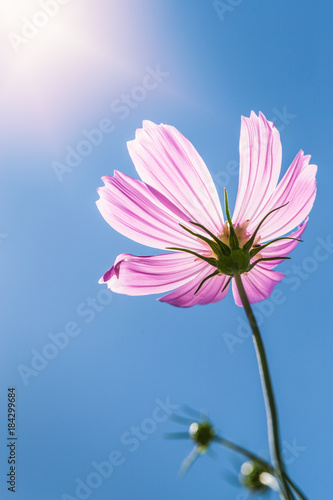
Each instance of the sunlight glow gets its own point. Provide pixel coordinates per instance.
(52, 58)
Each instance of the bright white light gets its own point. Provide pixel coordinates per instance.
(269, 480)
(193, 429)
(23, 21)
(38, 49)
(246, 468)
(55, 66)
(11, 12)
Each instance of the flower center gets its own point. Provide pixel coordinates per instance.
(233, 249)
(239, 255)
(241, 233)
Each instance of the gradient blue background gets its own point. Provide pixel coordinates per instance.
(265, 56)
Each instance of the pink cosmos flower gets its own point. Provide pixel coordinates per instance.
(176, 207)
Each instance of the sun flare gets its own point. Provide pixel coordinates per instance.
(51, 64)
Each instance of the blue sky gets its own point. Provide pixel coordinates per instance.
(126, 362)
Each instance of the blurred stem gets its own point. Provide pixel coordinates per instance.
(246, 453)
(271, 411)
(295, 487)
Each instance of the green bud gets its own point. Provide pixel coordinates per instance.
(202, 434)
(251, 476)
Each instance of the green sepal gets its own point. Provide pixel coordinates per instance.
(258, 248)
(265, 259)
(227, 283)
(211, 243)
(233, 240)
(210, 260)
(215, 273)
(249, 243)
(224, 248)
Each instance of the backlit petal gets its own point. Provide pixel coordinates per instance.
(211, 290)
(259, 169)
(144, 275)
(142, 214)
(167, 161)
(258, 284)
(297, 188)
(282, 248)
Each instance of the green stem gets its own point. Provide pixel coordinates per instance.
(271, 411)
(295, 487)
(246, 453)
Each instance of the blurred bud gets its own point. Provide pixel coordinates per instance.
(202, 433)
(255, 477)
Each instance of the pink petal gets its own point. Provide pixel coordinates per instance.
(149, 274)
(260, 164)
(209, 292)
(144, 215)
(168, 162)
(258, 192)
(282, 248)
(298, 189)
(258, 284)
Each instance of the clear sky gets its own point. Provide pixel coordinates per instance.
(115, 363)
